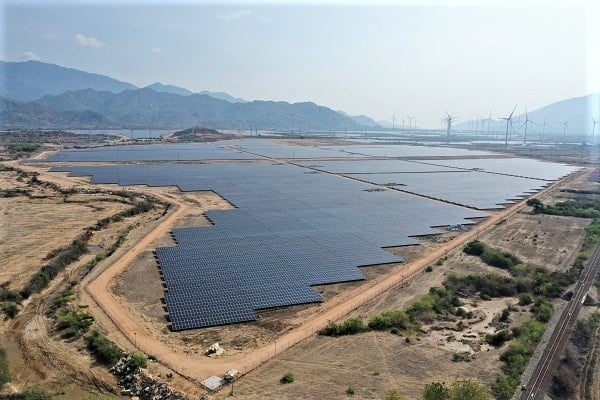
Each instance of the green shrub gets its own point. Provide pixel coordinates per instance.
(4, 372)
(288, 377)
(10, 309)
(136, 361)
(351, 390)
(474, 248)
(103, 350)
(497, 339)
(459, 357)
(73, 323)
(469, 389)
(392, 394)
(542, 309)
(351, 326)
(390, 319)
(436, 391)
(525, 299)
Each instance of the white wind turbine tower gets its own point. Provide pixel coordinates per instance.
(565, 126)
(593, 126)
(449, 119)
(403, 123)
(489, 120)
(527, 121)
(393, 121)
(544, 129)
(508, 122)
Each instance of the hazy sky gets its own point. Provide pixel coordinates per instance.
(379, 60)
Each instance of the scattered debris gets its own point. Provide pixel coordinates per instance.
(137, 385)
(214, 350)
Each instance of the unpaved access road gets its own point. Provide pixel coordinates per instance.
(199, 368)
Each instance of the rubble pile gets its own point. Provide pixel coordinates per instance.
(140, 386)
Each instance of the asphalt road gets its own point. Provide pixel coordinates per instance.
(540, 379)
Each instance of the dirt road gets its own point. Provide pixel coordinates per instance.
(199, 368)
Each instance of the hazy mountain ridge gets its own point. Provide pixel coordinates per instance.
(576, 110)
(30, 80)
(148, 108)
(361, 119)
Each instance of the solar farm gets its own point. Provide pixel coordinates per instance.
(304, 215)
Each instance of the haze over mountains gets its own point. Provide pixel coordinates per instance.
(41, 95)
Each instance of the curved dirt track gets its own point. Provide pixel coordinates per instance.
(198, 369)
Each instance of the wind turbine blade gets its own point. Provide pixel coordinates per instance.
(513, 111)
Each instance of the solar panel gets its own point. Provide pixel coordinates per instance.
(291, 230)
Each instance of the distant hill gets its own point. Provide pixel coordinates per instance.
(223, 96)
(198, 134)
(159, 87)
(361, 120)
(577, 110)
(35, 115)
(142, 108)
(30, 80)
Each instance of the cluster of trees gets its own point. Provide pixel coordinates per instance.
(458, 390)
(573, 208)
(438, 302)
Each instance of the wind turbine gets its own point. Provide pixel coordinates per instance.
(449, 119)
(527, 121)
(565, 126)
(594, 126)
(544, 128)
(393, 121)
(508, 122)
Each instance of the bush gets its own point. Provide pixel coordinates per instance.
(459, 357)
(10, 309)
(497, 339)
(288, 377)
(474, 248)
(102, 349)
(136, 361)
(350, 391)
(469, 389)
(73, 323)
(525, 299)
(390, 319)
(542, 309)
(436, 391)
(4, 372)
(35, 392)
(351, 326)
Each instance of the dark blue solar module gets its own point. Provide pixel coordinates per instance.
(153, 152)
(373, 166)
(473, 189)
(523, 167)
(290, 230)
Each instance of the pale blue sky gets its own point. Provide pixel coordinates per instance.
(392, 58)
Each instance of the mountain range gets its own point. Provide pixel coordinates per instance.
(578, 111)
(40, 95)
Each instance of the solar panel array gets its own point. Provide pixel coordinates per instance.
(295, 227)
(408, 151)
(290, 230)
(478, 190)
(153, 152)
(523, 167)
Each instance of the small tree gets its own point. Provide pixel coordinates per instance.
(469, 389)
(436, 391)
(537, 205)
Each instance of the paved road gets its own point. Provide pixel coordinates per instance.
(540, 379)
